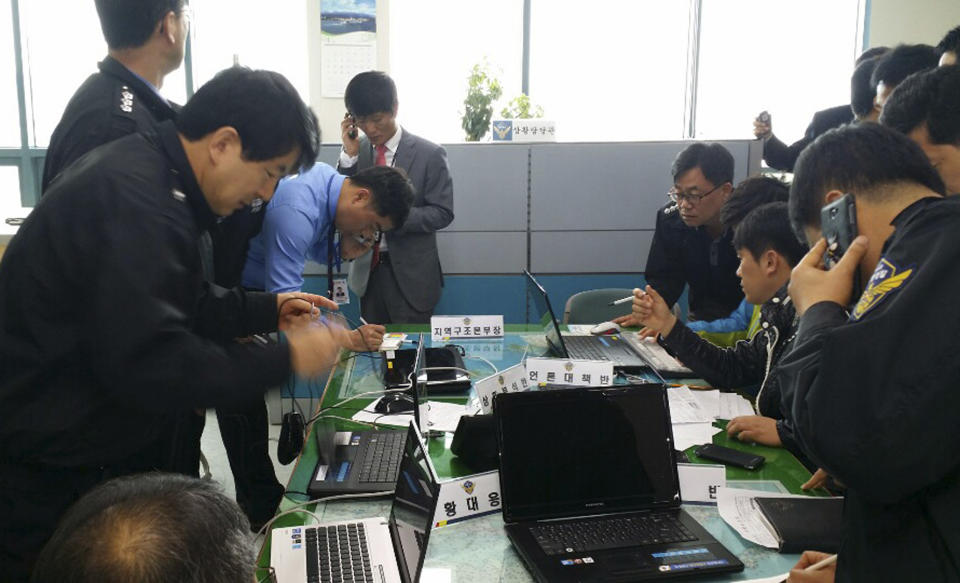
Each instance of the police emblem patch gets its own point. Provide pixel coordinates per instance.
(468, 486)
(886, 278)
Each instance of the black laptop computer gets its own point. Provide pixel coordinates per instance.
(385, 550)
(612, 348)
(590, 489)
(354, 462)
(628, 352)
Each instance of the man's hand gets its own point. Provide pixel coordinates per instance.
(351, 144)
(367, 338)
(762, 130)
(810, 283)
(823, 575)
(651, 309)
(754, 429)
(313, 348)
(817, 480)
(628, 321)
(298, 308)
(351, 248)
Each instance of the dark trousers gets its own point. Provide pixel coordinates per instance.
(383, 302)
(245, 434)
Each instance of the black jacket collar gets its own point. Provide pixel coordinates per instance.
(180, 166)
(146, 93)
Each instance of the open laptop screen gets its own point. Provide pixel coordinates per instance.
(580, 451)
(545, 314)
(414, 503)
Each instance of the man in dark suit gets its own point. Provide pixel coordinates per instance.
(781, 156)
(399, 281)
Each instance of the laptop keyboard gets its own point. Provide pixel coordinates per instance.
(381, 461)
(584, 347)
(610, 533)
(338, 554)
(655, 354)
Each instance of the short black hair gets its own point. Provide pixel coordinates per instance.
(871, 53)
(370, 92)
(903, 61)
(768, 227)
(392, 191)
(863, 92)
(150, 528)
(129, 23)
(262, 106)
(950, 42)
(750, 194)
(932, 98)
(864, 160)
(715, 162)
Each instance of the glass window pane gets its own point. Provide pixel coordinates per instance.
(10, 193)
(53, 72)
(261, 36)
(743, 71)
(434, 44)
(9, 121)
(613, 71)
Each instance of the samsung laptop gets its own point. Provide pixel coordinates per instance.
(590, 489)
(627, 351)
(354, 462)
(372, 550)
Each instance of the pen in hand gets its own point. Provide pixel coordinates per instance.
(624, 300)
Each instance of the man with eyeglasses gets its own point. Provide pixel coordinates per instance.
(401, 279)
(690, 245)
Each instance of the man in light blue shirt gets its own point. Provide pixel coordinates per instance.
(304, 215)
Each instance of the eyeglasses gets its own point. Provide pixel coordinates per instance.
(679, 197)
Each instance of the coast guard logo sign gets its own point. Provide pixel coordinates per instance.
(886, 278)
(503, 130)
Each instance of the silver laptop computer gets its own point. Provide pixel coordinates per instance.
(372, 550)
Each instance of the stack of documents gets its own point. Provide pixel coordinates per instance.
(693, 413)
(442, 416)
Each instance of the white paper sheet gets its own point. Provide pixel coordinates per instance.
(774, 579)
(442, 417)
(738, 508)
(733, 405)
(709, 401)
(580, 329)
(685, 408)
(688, 434)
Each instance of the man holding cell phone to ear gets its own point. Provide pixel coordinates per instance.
(872, 388)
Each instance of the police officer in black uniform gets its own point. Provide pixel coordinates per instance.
(106, 324)
(690, 245)
(873, 388)
(146, 43)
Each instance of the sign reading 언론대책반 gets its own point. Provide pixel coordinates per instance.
(561, 371)
(447, 327)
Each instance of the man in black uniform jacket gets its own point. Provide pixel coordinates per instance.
(145, 41)
(106, 324)
(873, 391)
(690, 244)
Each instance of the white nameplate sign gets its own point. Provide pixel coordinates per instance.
(468, 497)
(446, 327)
(561, 371)
(699, 482)
(511, 380)
(523, 130)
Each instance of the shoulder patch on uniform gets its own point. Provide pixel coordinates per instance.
(886, 278)
(125, 99)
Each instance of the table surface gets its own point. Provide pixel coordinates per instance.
(478, 549)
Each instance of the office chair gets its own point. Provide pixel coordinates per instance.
(592, 306)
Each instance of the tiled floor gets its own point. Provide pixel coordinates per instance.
(212, 447)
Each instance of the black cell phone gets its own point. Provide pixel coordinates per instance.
(353, 131)
(730, 457)
(838, 221)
